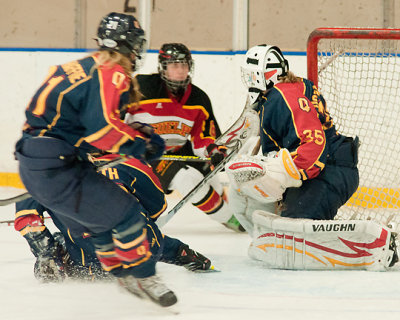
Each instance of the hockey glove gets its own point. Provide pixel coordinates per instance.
(155, 145)
(144, 128)
(216, 152)
(155, 148)
(51, 266)
(50, 256)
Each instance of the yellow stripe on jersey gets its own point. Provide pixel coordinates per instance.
(99, 134)
(197, 107)
(133, 243)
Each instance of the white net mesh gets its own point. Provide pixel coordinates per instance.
(360, 80)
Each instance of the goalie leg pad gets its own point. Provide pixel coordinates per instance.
(286, 243)
(243, 207)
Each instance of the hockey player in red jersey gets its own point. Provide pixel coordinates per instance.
(181, 113)
(77, 111)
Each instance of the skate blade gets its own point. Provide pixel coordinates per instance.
(174, 309)
(212, 269)
(147, 302)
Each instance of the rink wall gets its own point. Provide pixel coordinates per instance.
(217, 73)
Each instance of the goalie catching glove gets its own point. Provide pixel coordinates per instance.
(264, 179)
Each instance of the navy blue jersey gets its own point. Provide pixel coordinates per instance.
(137, 178)
(80, 102)
(294, 116)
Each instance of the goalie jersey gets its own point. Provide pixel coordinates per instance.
(294, 116)
(177, 121)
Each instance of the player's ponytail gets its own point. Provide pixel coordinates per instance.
(134, 94)
(290, 77)
(111, 58)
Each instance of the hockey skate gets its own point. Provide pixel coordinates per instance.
(234, 225)
(151, 288)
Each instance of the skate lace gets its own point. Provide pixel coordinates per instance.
(154, 286)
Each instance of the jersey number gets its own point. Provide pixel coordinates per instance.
(118, 79)
(317, 136)
(303, 104)
(41, 101)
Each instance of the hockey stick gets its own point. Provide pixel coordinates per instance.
(174, 157)
(245, 127)
(110, 164)
(241, 130)
(163, 220)
(26, 195)
(20, 197)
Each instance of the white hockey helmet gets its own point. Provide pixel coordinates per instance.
(262, 67)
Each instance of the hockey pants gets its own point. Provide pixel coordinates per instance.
(84, 200)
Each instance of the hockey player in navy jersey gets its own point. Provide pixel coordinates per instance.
(288, 197)
(181, 113)
(62, 255)
(77, 111)
(295, 125)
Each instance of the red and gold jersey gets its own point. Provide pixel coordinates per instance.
(176, 121)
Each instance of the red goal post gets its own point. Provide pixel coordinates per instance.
(341, 33)
(357, 71)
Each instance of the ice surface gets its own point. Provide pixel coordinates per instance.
(242, 290)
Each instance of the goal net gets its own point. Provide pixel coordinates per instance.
(358, 73)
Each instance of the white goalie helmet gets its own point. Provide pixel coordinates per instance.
(261, 69)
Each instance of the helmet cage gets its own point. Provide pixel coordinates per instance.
(175, 85)
(263, 67)
(175, 53)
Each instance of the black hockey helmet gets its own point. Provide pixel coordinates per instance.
(175, 53)
(122, 33)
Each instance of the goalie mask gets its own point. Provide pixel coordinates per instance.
(262, 68)
(122, 33)
(175, 53)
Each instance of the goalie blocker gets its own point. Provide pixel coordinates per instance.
(287, 243)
